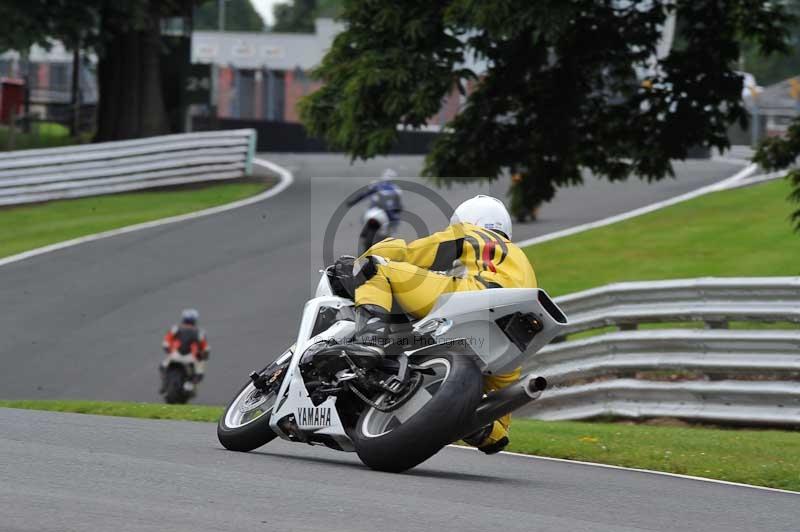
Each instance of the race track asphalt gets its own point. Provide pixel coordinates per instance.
(86, 322)
(80, 473)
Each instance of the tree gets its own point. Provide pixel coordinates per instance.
(125, 34)
(329, 8)
(776, 153)
(294, 17)
(297, 16)
(778, 66)
(559, 94)
(24, 23)
(131, 102)
(240, 15)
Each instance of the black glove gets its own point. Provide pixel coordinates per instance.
(342, 280)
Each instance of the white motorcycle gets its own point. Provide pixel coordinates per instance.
(398, 405)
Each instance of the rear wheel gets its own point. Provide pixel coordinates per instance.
(433, 417)
(369, 234)
(173, 390)
(244, 425)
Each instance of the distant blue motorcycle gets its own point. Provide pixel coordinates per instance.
(383, 215)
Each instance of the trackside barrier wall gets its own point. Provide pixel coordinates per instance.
(28, 176)
(731, 376)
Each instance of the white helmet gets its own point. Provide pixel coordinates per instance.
(484, 211)
(190, 315)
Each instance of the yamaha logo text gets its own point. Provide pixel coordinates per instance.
(314, 417)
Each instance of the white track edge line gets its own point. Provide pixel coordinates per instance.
(285, 180)
(758, 179)
(714, 187)
(638, 470)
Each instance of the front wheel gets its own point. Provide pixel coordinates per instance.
(433, 417)
(244, 425)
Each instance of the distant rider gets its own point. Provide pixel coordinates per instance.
(474, 252)
(186, 338)
(385, 195)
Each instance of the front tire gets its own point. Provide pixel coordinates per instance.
(444, 404)
(244, 425)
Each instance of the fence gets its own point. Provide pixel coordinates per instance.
(55, 173)
(738, 376)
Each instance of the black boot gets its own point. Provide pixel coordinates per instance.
(372, 325)
(477, 439)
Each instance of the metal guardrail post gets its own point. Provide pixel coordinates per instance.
(251, 152)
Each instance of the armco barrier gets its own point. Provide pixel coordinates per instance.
(742, 376)
(55, 173)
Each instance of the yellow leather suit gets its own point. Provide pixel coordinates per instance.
(462, 257)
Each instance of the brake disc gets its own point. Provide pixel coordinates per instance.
(253, 400)
(257, 397)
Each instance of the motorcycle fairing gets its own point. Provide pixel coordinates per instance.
(470, 320)
(293, 396)
(188, 361)
(376, 214)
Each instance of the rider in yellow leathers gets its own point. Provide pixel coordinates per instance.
(473, 253)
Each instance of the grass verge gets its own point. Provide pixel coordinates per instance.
(760, 457)
(30, 226)
(122, 409)
(741, 232)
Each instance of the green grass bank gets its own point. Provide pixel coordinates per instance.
(741, 232)
(27, 227)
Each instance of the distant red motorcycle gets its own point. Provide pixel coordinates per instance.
(184, 367)
(180, 377)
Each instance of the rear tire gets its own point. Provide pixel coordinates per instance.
(236, 433)
(174, 393)
(438, 422)
(367, 238)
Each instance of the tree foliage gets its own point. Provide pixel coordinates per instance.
(559, 92)
(329, 8)
(297, 16)
(24, 23)
(125, 34)
(240, 15)
(776, 153)
(777, 66)
(294, 17)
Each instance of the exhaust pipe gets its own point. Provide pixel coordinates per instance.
(498, 403)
